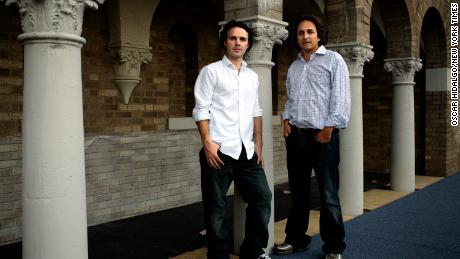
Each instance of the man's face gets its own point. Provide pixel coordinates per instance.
(307, 36)
(236, 43)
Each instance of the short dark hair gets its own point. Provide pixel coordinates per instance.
(232, 24)
(320, 29)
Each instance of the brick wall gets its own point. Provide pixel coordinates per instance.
(245, 8)
(339, 14)
(453, 145)
(419, 11)
(10, 189)
(436, 133)
(403, 21)
(163, 90)
(11, 86)
(279, 156)
(11, 73)
(283, 59)
(398, 29)
(137, 173)
(126, 175)
(377, 108)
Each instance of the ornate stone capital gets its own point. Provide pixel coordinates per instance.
(128, 60)
(127, 67)
(61, 16)
(267, 33)
(403, 69)
(265, 37)
(355, 55)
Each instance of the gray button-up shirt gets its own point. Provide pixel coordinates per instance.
(318, 91)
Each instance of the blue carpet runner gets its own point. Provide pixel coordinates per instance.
(424, 224)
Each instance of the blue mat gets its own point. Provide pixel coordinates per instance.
(424, 224)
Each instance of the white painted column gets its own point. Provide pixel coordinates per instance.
(403, 128)
(267, 32)
(351, 166)
(53, 166)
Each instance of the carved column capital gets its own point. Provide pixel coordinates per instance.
(267, 32)
(58, 16)
(355, 55)
(403, 69)
(127, 61)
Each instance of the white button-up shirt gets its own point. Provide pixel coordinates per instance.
(230, 101)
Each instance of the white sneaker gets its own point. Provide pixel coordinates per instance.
(264, 256)
(333, 256)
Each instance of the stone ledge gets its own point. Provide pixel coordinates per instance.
(187, 123)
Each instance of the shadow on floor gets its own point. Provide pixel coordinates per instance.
(172, 232)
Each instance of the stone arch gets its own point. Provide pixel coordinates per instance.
(433, 39)
(178, 58)
(396, 22)
(391, 27)
(343, 20)
(377, 105)
(429, 92)
(421, 10)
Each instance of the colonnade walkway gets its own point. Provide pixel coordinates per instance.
(178, 233)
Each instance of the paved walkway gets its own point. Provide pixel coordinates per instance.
(373, 198)
(171, 233)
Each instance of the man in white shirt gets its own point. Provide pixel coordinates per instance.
(229, 119)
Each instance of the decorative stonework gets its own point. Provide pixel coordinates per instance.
(403, 69)
(267, 32)
(63, 16)
(128, 60)
(127, 67)
(355, 55)
(265, 37)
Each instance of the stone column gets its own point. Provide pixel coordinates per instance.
(53, 163)
(403, 129)
(267, 32)
(351, 139)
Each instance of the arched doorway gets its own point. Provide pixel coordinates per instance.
(431, 96)
(184, 54)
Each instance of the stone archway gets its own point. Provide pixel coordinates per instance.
(184, 60)
(377, 105)
(431, 94)
(394, 20)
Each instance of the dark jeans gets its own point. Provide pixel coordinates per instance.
(252, 183)
(304, 153)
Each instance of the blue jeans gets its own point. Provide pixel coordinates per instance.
(304, 153)
(252, 183)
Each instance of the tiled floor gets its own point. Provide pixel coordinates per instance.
(373, 199)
